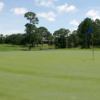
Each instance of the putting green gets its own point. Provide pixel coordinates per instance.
(50, 75)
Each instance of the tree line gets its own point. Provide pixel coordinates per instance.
(86, 35)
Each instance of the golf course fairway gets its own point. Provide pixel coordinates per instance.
(50, 75)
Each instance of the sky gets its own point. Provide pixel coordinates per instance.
(53, 14)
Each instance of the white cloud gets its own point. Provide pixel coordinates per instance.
(19, 11)
(1, 6)
(45, 3)
(50, 16)
(66, 8)
(94, 14)
(74, 22)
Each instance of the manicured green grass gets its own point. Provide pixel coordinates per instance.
(50, 75)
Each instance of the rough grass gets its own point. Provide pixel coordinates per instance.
(6, 47)
(50, 75)
(9, 47)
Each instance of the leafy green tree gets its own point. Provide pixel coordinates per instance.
(31, 16)
(44, 35)
(61, 38)
(96, 37)
(73, 39)
(15, 39)
(61, 32)
(31, 34)
(31, 28)
(84, 36)
(2, 38)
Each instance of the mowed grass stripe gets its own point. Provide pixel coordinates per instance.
(49, 75)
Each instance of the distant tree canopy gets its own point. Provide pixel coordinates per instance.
(61, 38)
(44, 34)
(73, 39)
(96, 26)
(87, 31)
(84, 35)
(31, 16)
